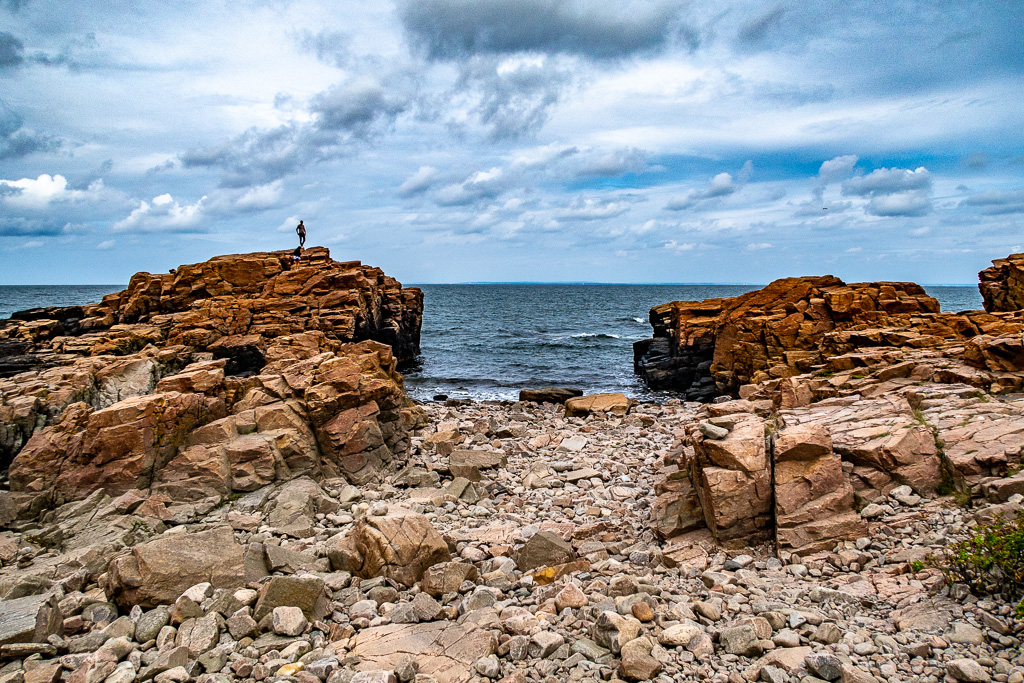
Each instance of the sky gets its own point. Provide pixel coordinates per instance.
(514, 140)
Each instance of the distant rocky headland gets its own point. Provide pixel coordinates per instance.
(216, 475)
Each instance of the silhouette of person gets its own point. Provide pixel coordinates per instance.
(300, 230)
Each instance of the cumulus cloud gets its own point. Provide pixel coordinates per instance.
(453, 29)
(29, 193)
(679, 247)
(899, 204)
(419, 182)
(722, 185)
(996, 202)
(330, 47)
(359, 108)
(164, 214)
(106, 245)
(261, 197)
(833, 171)
(481, 185)
(887, 181)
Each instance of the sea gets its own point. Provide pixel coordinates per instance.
(488, 341)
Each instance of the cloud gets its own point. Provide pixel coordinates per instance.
(757, 29)
(28, 193)
(419, 182)
(679, 248)
(899, 204)
(15, 141)
(455, 29)
(261, 197)
(510, 96)
(480, 185)
(722, 185)
(11, 50)
(587, 209)
(361, 109)
(759, 246)
(833, 171)
(887, 181)
(164, 214)
(342, 116)
(105, 245)
(330, 47)
(997, 202)
(612, 163)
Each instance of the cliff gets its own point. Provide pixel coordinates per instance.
(218, 377)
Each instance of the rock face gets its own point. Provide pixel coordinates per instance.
(1002, 285)
(797, 325)
(216, 378)
(706, 348)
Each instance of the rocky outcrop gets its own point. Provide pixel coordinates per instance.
(217, 378)
(707, 348)
(795, 326)
(1002, 284)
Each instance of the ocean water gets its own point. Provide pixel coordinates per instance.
(490, 341)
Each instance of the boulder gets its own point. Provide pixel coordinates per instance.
(303, 592)
(31, 619)
(469, 463)
(446, 577)
(400, 545)
(616, 405)
(549, 394)
(157, 572)
(543, 549)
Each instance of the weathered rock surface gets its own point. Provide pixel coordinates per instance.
(1002, 285)
(401, 545)
(157, 572)
(218, 377)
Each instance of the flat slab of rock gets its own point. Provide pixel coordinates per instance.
(444, 650)
(157, 572)
(30, 619)
(598, 404)
(549, 394)
(468, 463)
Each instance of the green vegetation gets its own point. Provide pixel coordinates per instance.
(991, 562)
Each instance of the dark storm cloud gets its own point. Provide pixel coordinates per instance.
(11, 50)
(454, 29)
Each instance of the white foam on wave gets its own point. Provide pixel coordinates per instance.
(581, 335)
(640, 320)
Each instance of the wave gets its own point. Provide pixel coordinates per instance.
(640, 320)
(596, 335)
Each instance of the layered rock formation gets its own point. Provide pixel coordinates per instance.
(1002, 285)
(795, 325)
(216, 378)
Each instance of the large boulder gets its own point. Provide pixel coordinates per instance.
(1002, 285)
(158, 572)
(400, 545)
(814, 501)
(30, 619)
(615, 405)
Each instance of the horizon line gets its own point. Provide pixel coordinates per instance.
(532, 282)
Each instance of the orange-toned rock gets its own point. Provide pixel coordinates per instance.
(597, 404)
(707, 348)
(1002, 285)
(218, 377)
(401, 546)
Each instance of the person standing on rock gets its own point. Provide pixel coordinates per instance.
(300, 230)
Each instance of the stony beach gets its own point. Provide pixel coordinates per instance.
(215, 476)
